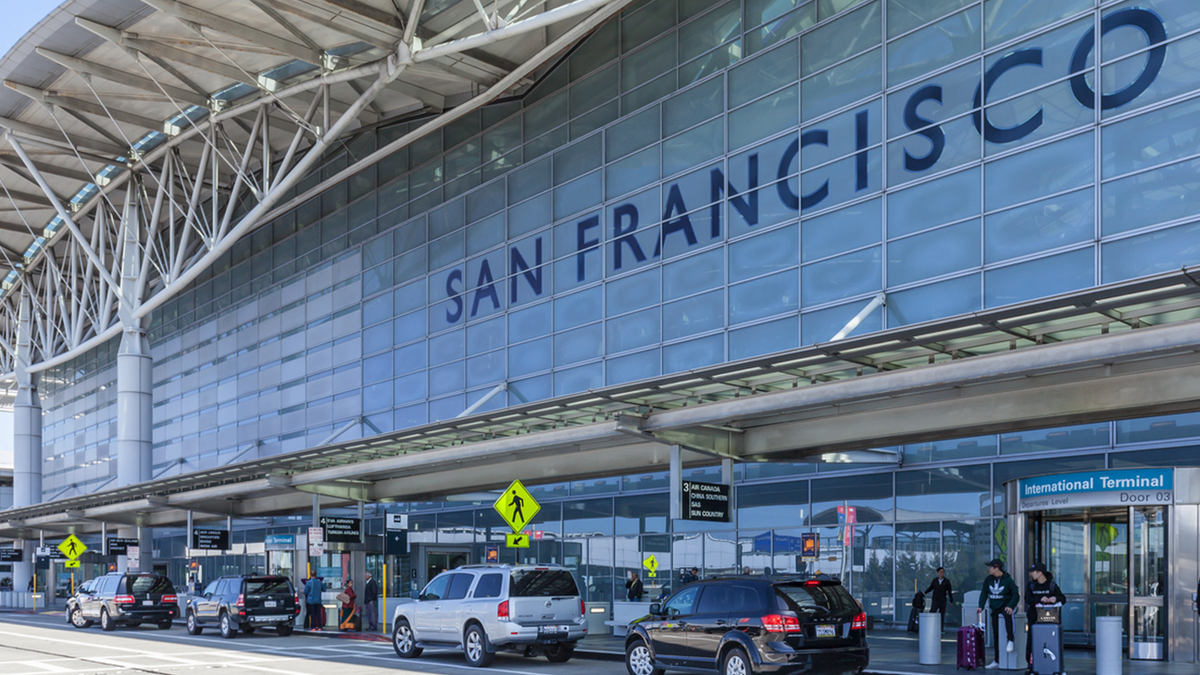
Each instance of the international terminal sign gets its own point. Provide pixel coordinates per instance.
(1116, 487)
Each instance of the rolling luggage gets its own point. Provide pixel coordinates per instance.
(970, 647)
(1046, 641)
(913, 618)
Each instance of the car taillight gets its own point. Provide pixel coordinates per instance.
(860, 621)
(812, 582)
(241, 601)
(169, 599)
(502, 611)
(582, 609)
(779, 623)
(296, 599)
(123, 600)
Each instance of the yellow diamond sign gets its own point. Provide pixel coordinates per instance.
(516, 506)
(72, 547)
(651, 564)
(516, 540)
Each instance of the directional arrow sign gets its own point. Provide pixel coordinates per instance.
(72, 563)
(651, 564)
(72, 547)
(516, 506)
(516, 540)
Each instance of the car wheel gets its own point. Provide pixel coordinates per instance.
(68, 615)
(736, 663)
(404, 642)
(164, 624)
(228, 629)
(285, 630)
(639, 661)
(248, 630)
(106, 621)
(193, 626)
(77, 619)
(475, 645)
(560, 653)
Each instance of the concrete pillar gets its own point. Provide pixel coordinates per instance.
(134, 378)
(27, 437)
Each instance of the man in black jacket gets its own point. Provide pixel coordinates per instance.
(370, 597)
(1041, 590)
(943, 594)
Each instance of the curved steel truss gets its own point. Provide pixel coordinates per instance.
(154, 153)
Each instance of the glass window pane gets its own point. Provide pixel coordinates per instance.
(693, 274)
(934, 253)
(631, 134)
(951, 450)
(953, 38)
(644, 23)
(822, 325)
(843, 37)
(851, 81)
(935, 301)
(763, 118)
(633, 367)
(905, 15)
(841, 277)
(1058, 438)
(1051, 168)
(763, 297)
(763, 338)
(931, 204)
(710, 30)
(693, 106)
(580, 344)
(844, 229)
(870, 494)
(632, 173)
(1007, 19)
(632, 292)
(959, 492)
(1162, 251)
(1149, 198)
(1151, 139)
(692, 148)
(1058, 221)
(692, 354)
(766, 72)
(648, 63)
(768, 252)
(1040, 278)
(694, 315)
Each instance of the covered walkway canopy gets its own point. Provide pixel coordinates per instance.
(1120, 351)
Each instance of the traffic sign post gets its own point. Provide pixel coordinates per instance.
(651, 564)
(517, 507)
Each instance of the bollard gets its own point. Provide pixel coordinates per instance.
(1014, 660)
(1108, 645)
(931, 639)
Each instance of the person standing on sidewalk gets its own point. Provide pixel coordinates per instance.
(943, 594)
(370, 599)
(312, 603)
(1001, 596)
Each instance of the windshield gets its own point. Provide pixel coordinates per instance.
(823, 600)
(542, 583)
(268, 586)
(150, 584)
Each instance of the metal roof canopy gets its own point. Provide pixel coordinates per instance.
(143, 138)
(1120, 351)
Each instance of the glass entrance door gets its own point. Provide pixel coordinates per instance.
(1109, 562)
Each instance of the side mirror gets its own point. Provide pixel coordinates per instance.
(656, 609)
(421, 596)
(208, 596)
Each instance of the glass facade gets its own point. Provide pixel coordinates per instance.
(699, 182)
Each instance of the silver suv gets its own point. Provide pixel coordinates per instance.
(483, 609)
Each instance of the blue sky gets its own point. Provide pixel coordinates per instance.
(19, 17)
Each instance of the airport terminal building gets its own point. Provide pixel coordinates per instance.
(919, 278)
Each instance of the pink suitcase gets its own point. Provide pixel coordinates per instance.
(970, 647)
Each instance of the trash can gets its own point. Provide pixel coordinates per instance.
(1108, 645)
(931, 639)
(1014, 660)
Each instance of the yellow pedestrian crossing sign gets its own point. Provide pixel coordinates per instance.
(651, 564)
(519, 540)
(72, 547)
(516, 506)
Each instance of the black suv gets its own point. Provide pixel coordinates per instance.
(752, 624)
(245, 604)
(125, 599)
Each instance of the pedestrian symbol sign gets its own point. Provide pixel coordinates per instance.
(72, 547)
(651, 564)
(519, 540)
(516, 506)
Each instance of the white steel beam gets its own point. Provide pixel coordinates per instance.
(237, 29)
(89, 107)
(55, 135)
(123, 77)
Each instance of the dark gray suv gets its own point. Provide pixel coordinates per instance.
(245, 604)
(128, 600)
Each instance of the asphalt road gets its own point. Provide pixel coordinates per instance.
(45, 645)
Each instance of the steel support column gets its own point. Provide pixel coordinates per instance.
(134, 376)
(27, 436)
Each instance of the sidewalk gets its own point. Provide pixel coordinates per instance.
(895, 653)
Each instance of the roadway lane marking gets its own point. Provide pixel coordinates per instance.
(74, 643)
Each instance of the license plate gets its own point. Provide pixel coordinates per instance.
(269, 603)
(148, 603)
(825, 631)
(553, 630)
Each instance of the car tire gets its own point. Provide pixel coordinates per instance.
(193, 624)
(285, 630)
(228, 628)
(736, 662)
(475, 647)
(106, 621)
(639, 660)
(165, 624)
(560, 653)
(77, 619)
(404, 641)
